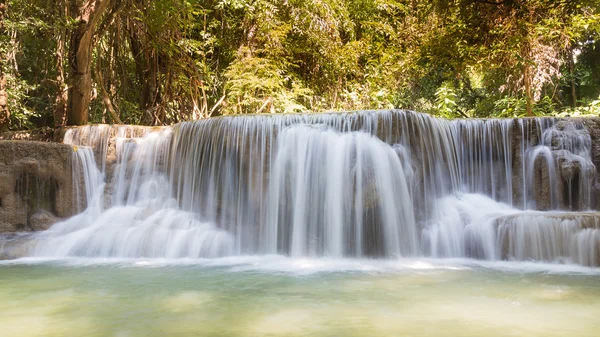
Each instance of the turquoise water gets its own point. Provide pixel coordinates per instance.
(276, 296)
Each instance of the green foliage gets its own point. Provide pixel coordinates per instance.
(22, 116)
(446, 101)
(586, 108)
(255, 84)
(510, 107)
(164, 61)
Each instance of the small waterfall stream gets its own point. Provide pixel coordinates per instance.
(360, 184)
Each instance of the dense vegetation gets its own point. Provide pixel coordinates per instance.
(163, 61)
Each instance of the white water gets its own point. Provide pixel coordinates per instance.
(368, 184)
(550, 237)
(476, 226)
(322, 186)
(144, 220)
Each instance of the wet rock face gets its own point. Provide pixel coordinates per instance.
(573, 143)
(573, 156)
(593, 126)
(106, 141)
(35, 185)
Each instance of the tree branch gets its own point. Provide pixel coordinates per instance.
(490, 2)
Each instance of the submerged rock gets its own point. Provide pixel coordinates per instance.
(15, 245)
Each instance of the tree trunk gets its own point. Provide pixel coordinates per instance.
(80, 59)
(106, 98)
(60, 102)
(572, 70)
(4, 112)
(146, 63)
(527, 78)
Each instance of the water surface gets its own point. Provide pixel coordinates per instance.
(275, 296)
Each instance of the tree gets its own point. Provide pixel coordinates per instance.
(519, 45)
(164, 61)
(61, 97)
(4, 112)
(86, 17)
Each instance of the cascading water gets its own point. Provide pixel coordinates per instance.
(328, 191)
(143, 221)
(549, 237)
(364, 184)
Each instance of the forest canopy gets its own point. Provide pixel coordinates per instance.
(164, 61)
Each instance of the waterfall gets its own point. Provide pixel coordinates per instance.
(143, 220)
(357, 184)
(92, 182)
(94, 136)
(550, 237)
(328, 189)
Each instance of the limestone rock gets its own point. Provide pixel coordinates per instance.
(13, 246)
(42, 220)
(35, 184)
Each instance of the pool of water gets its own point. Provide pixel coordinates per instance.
(277, 296)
